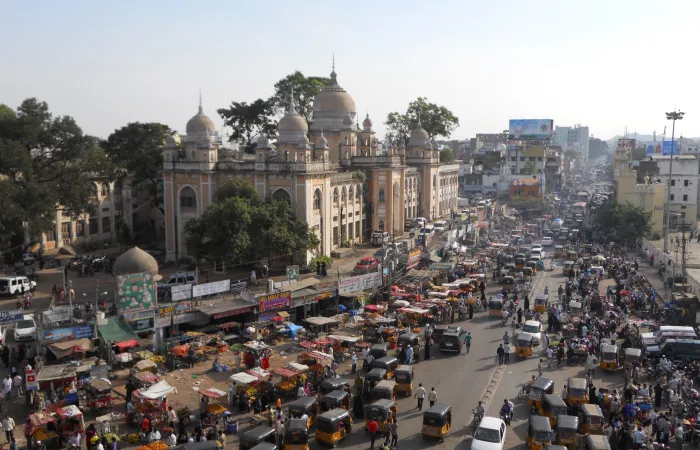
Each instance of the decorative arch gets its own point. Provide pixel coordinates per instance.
(343, 195)
(282, 194)
(318, 197)
(188, 199)
(351, 193)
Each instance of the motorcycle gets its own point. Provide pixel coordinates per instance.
(476, 421)
(506, 417)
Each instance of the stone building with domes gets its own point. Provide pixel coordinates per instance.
(316, 168)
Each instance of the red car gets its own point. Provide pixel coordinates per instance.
(366, 265)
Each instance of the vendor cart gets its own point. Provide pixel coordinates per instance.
(254, 354)
(290, 380)
(72, 418)
(144, 379)
(43, 428)
(215, 412)
(98, 395)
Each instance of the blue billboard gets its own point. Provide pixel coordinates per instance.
(530, 129)
(69, 334)
(667, 147)
(11, 316)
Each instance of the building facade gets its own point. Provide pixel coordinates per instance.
(576, 138)
(333, 173)
(649, 195)
(684, 184)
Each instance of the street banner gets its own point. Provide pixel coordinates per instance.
(135, 292)
(360, 283)
(273, 302)
(217, 287)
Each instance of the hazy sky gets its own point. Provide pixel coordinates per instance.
(605, 64)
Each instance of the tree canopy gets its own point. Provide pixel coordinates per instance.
(596, 148)
(137, 149)
(447, 156)
(241, 226)
(437, 120)
(624, 223)
(248, 121)
(302, 89)
(45, 161)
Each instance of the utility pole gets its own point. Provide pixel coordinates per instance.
(675, 115)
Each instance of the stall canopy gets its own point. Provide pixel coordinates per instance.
(243, 378)
(116, 330)
(180, 350)
(67, 348)
(158, 390)
(320, 321)
(127, 344)
(212, 392)
(69, 411)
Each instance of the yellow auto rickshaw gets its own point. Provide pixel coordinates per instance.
(576, 391)
(437, 421)
(404, 379)
(380, 411)
(532, 264)
(385, 389)
(567, 427)
(571, 255)
(388, 363)
(568, 265)
(597, 442)
(333, 384)
(538, 389)
(375, 375)
(541, 302)
(296, 435)
(333, 426)
(609, 357)
(495, 307)
(334, 400)
(553, 406)
(304, 405)
(559, 251)
(591, 417)
(539, 433)
(508, 283)
(523, 346)
(519, 262)
(527, 273)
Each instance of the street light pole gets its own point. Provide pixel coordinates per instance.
(675, 115)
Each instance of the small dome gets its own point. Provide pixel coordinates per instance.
(322, 142)
(292, 121)
(367, 123)
(419, 137)
(262, 142)
(170, 141)
(135, 260)
(200, 124)
(303, 142)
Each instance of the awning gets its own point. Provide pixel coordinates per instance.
(212, 392)
(158, 390)
(284, 314)
(127, 344)
(66, 348)
(69, 411)
(320, 321)
(243, 378)
(52, 373)
(116, 330)
(228, 308)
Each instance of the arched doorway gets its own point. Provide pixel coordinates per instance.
(282, 194)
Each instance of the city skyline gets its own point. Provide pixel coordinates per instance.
(603, 65)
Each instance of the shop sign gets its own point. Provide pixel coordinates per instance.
(233, 312)
(69, 334)
(292, 273)
(217, 287)
(414, 256)
(181, 292)
(262, 317)
(324, 296)
(141, 325)
(273, 302)
(140, 315)
(135, 292)
(360, 283)
(175, 309)
(11, 316)
(238, 285)
(441, 266)
(30, 378)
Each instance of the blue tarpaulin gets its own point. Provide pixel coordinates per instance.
(293, 329)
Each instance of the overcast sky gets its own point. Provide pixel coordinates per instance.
(605, 64)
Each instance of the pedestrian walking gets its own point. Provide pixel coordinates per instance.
(468, 341)
(372, 428)
(253, 277)
(17, 382)
(353, 358)
(8, 426)
(394, 434)
(679, 435)
(432, 397)
(539, 367)
(499, 354)
(420, 395)
(7, 388)
(506, 353)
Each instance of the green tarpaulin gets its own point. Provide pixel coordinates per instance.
(116, 330)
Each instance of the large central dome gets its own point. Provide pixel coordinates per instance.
(331, 106)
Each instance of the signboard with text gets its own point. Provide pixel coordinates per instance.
(414, 256)
(140, 315)
(360, 283)
(273, 302)
(217, 287)
(626, 144)
(181, 292)
(175, 309)
(30, 378)
(69, 334)
(143, 324)
(12, 316)
(667, 147)
(530, 129)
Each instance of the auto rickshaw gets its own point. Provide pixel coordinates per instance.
(496, 307)
(385, 389)
(576, 391)
(633, 355)
(532, 264)
(509, 268)
(559, 251)
(333, 384)
(381, 411)
(437, 421)
(388, 363)
(553, 406)
(539, 433)
(508, 282)
(407, 339)
(404, 379)
(527, 273)
(333, 426)
(554, 447)
(523, 346)
(567, 427)
(335, 399)
(375, 375)
(538, 388)
(597, 442)
(575, 309)
(609, 357)
(591, 417)
(304, 405)
(296, 435)
(253, 437)
(541, 301)
(568, 265)
(540, 264)
(519, 262)
(379, 350)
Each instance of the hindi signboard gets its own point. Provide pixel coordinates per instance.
(135, 292)
(12, 316)
(360, 283)
(627, 145)
(217, 287)
(414, 256)
(273, 302)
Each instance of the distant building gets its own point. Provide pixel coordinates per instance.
(525, 189)
(576, 138)
(684, 184)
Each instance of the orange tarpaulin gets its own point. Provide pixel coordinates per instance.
(127, 344)
(180, 350)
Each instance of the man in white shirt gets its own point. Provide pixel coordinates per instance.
(172, 417)
(420, 395)
(8, 426)
(613, 338)
(7, 387)
(369, 360)
(432, 397)
(301, 392)
(679, 435)
(638, 438)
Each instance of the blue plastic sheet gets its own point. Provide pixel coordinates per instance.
(293, 329)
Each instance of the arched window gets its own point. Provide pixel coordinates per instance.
(344, 195)
(335, 195)
(381, 195)
(282, 194)
(317, 199)
(351, 193)
(105, 189)
(188, 198)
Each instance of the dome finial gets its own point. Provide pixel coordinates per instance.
(419, 124)
(201, 110)
(291, 107)
(333, 75)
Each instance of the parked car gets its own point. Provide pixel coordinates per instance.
(12, 286)
(366, 265)
(440, 226)
(421, 221)
(380, 237)
(25, 329)
(28, 259)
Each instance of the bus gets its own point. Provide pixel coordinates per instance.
(579, 208)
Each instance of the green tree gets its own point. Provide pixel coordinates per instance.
(437, 120)
(447, 156)
(248, 121)
(624, 222)
(597, 147)
(45, 161)
(137, 150)
(302, 89)
(241, 225)
(6, 112)
(639, 153)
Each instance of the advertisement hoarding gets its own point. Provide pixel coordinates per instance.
(12, 316)
(414, 256)
(175, 309)
(135, 292)
(667, 147)
(626, 144)
(58, 314)
(181, 292)
(292, 273)
(653, 148)
(360, 283)
(69, 334)
(530, 129)
(273, 302)
(216, 287)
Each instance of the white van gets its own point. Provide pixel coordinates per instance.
(11, 286)
(668, 332)
(439, 226)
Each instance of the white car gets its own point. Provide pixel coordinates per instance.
(421, 221)
(547, 241)
(440, 225)
(25, 329)
(533, 330)
(536, 253)
(491, 434)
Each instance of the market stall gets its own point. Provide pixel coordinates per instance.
(256, 354)
(72, 420)
(149, 402)
(43, 428)
(290, 380)
(215, 411)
